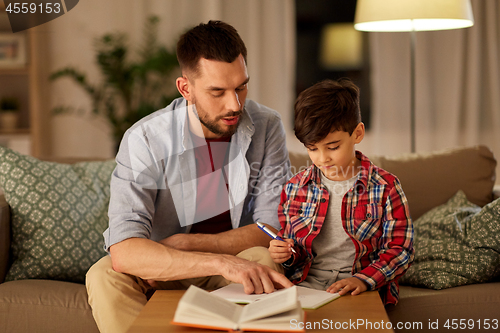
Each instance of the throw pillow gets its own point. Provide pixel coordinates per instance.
(455, 244)
(58, 215)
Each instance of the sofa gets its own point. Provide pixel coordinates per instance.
(40, 296)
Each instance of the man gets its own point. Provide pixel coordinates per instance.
(191, 181)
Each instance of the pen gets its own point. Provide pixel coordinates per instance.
(270, 233)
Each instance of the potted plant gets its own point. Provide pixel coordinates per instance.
(9, 110)
(130, 89)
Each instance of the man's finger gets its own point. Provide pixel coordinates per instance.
(248, 286)
(280, 279)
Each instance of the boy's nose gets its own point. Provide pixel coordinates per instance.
(324, 158)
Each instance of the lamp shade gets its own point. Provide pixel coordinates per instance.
(341, 47)
(408, 15)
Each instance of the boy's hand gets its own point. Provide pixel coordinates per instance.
(348, 284)
(280, 251)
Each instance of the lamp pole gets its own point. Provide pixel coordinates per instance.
(413, 40)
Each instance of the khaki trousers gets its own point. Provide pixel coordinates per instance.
(116, 298)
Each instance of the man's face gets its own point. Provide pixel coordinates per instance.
(218, 93)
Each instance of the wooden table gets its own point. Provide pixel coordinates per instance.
(362, 313)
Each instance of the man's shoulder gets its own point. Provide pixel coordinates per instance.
(161, 121)
(259, 112)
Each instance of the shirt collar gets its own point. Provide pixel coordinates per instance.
(312, 173)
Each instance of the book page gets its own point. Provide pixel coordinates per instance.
(271, 304)
(201, 301)
(308, 298)
(278, 322)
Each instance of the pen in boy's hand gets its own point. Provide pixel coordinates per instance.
(270, 233)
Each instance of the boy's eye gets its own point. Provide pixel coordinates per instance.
(311, 148)
(334, 148)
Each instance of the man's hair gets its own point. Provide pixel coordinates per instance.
(214, 40)
(326, 107)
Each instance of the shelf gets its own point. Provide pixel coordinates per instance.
(15, 71)
(17, 131)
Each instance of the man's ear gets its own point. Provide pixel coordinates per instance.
(182, 84)
(359, 133)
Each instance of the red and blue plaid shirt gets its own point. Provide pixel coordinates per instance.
(375, 215)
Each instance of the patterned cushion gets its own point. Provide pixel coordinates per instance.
(456, 243)
(59, 212)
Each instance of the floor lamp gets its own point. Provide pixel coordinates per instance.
(412, 16)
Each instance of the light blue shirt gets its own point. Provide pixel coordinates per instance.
(154, 185)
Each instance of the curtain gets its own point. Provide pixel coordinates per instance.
(267, 28)
(457, 87)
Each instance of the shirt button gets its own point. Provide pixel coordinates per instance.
(368, 215)
(300, 211)
(315, 228)
(323, 200)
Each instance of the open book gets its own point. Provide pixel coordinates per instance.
(310, 299)
(199, 308)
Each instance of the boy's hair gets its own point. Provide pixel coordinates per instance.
(326, 107)
(214, 40)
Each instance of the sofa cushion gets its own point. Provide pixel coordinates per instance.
(59, 212)
(455, 244)
(45, 306)
(476, 304)
(429, 180)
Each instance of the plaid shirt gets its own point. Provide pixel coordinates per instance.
(375, 215)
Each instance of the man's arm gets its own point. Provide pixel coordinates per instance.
(150, 260)
(229, 242)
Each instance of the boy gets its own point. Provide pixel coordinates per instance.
(347, 220)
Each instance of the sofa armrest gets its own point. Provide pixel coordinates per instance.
(4, 237)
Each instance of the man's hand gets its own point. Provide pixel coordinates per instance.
(256, 278)
(280, 251)
(348, 284)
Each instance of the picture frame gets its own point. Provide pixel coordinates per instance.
(12, 50)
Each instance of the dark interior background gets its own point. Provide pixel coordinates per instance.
(312, 16)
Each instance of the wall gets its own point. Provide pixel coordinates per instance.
(266, 27)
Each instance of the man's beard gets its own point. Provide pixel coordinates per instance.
(213, 124)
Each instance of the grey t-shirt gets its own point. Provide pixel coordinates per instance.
(334, 248)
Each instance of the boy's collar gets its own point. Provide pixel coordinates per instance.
(313, 173)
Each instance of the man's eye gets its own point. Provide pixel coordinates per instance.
(241, 88)
(217, 95)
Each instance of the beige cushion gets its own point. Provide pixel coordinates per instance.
(45, 306)
(429, 180)
(471, 302)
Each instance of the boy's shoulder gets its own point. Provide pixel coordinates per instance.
(301, 176)
(374, 173)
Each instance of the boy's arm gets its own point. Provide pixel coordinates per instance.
(396, 251)
(300, 255)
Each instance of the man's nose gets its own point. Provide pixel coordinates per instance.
(233, 102)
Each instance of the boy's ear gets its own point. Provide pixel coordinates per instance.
(359, 133)
(183, 86)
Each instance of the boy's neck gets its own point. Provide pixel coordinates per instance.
(340, 175)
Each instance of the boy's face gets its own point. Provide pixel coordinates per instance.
(335, 155)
